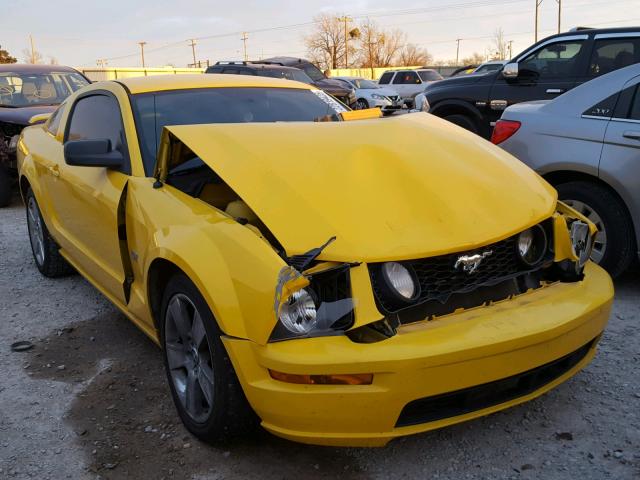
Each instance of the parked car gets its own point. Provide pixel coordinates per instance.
(261, 70)
(409, 83)
(332, 87)
(490, 66)
(286, 264)
(587, 144)
(369, 94)
(543, 71)
(27, 91)
(465, 70)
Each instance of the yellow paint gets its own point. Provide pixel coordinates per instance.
(406, 187)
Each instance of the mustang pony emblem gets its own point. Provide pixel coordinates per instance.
(470, 263)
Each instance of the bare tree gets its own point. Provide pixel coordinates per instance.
(5, 57)
(53, 60)
(35, 58)
(412, 55)
(500, 46)
(326, 43)
(379, 48)
(474, 59)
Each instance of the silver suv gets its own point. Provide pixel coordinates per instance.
(409, 83)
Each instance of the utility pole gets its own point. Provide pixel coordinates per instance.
(193, 50)
(346, 19)
(510, 49)
(33, 50)
(538, 2)
(142, 44)
(457, 50)
(244, 41)
(559, 13)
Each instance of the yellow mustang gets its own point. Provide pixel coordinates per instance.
(347, 281)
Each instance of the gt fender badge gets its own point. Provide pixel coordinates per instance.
(470, 263)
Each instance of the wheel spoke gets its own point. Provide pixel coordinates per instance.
(206, 384)
(176, 356)
(198, 333)
(192, 398)
(180, 316)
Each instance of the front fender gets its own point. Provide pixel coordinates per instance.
(460, 106)
(234, 269)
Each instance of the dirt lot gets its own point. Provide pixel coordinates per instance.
(90, 401)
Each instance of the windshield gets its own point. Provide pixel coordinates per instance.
(34, 89)
(365, 84)
(429, 75)
(312, 71)
(225, 105)
(288, 73)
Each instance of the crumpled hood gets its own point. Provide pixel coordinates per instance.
(398, 188)
(21, 116)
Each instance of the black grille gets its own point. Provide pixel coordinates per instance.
(444, 288)
(483, 396)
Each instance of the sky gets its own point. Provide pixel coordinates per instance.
(79, 33)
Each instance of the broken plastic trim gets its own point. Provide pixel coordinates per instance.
(303, 261)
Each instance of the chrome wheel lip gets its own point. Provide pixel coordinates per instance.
(36, 233)
(189, 357)
(600, 240)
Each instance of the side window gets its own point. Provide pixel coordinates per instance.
(385, 79)
(97, 117)
(635, 106)
(214, 70)
(245, 71)
(407, 78)
(54, 121)
(556, 60)
(611, 54)
(604, 108)
(231, 70)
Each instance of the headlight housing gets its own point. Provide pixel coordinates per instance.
(532, 245)
(378, 96)
(299, 313)
(13, 143)
(400, 281)
(581, 241)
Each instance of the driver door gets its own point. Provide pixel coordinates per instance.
(543, 74)
(86, 200)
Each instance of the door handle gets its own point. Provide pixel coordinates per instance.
(555, 90)
(54, 170)
(633, 135)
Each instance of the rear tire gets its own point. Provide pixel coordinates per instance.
(45, 251)
(5, 186)
(463, 121)
(203, 383)
(614, 247)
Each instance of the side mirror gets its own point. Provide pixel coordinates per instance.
(510, 70)
(39, 118)
(92, 153)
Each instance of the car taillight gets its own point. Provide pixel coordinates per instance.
(503, 130)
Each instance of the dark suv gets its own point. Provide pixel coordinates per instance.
(277, 70)
(332, 87)
(543, 71)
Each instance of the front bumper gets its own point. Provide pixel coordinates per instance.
(425, 359)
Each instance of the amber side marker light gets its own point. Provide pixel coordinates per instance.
(344, 379)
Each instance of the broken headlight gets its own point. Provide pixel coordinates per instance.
(533, 245)
(581, 242)
(313, 305)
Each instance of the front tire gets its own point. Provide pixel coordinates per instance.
(203, 384)
(614, 245)
(463, 121)
(45, 251)
(362, 104)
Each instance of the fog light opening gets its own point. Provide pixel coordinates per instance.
(337, 379)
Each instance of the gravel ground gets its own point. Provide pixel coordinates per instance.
(90, 401)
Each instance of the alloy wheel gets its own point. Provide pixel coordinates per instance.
(36, 233)
(189, 357)
(600, 241)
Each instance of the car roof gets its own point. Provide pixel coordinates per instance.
(157, 83)
(255, 66)
(28, 68)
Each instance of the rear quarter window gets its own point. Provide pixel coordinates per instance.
(385, 79)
